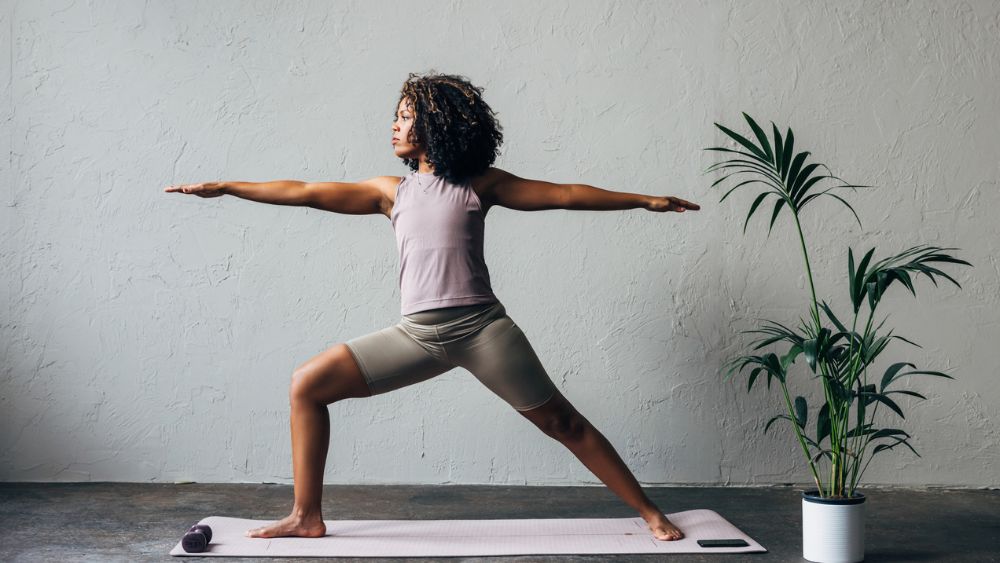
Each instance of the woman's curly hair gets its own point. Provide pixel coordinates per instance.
(453, 123)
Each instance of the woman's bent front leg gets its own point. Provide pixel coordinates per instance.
(329, 377)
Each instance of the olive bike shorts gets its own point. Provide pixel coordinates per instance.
(481, 338)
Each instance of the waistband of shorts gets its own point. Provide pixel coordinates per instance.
(456, 328)
(444, 314)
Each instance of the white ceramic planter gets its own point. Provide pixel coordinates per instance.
(833, 530)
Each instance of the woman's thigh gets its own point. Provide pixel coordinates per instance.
(389, 359)
(331, 375)
(501, 357)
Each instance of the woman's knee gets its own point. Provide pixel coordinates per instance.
(568, 425)
(328, 377)
(558, 419)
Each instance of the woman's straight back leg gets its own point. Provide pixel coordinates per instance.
(501, 357)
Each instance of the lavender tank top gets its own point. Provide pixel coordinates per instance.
(439, 230)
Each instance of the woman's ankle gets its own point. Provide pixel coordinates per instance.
(650, 509)
(307, 514)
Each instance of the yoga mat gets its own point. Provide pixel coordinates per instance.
(444, 538)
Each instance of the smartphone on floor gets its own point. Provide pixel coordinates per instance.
(735, 542)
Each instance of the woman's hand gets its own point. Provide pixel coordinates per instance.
(670, 203)
(204, 189)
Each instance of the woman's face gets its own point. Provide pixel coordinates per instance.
(401, 131)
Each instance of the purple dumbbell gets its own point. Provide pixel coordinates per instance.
(197, 538)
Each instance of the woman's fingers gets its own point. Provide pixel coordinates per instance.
(670, 203)
(685, 204)
(183, 188)
(204, 189)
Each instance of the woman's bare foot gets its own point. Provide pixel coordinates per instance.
(304, 527)
(662, 528)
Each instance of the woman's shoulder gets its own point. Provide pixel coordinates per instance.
(483, 184)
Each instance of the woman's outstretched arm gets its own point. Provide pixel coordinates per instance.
(353, 198)
(279, 192)
(513, 192)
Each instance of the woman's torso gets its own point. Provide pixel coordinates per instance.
(440, 230)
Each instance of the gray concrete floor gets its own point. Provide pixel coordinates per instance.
(142, 522)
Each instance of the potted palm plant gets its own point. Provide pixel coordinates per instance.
(836, 357)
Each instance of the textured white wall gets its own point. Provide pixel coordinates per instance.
(152, 337)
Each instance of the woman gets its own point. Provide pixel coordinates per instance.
(446, 134)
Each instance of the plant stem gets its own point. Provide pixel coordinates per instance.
(860, 406)
(822, 364)
(846, 414)
(855, 474)
(812, 287)
(805, 449)
(833, 433)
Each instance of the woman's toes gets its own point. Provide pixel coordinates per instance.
(664, 529)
